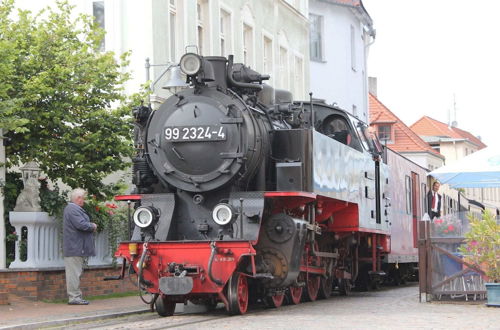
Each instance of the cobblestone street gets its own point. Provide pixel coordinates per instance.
(389, 308)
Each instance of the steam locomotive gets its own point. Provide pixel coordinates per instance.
(243, 194)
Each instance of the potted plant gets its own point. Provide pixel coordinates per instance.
(446, 227)
(482, 248)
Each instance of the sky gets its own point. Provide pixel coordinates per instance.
(428, 53)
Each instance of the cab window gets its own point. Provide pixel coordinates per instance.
(338, 128)
(360, 128)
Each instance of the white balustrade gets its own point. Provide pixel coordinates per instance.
(44, 242)
(102, 252)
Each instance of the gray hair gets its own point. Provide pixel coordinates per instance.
(78, 192)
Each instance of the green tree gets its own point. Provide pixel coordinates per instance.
(9, 120)
(59, 96)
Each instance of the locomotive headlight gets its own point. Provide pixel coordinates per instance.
(190, 64)
(144, 216)
(222, 214)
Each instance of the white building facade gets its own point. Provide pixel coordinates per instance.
(271, 36)
(341, 33)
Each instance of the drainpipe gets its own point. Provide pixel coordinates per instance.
(365, 78)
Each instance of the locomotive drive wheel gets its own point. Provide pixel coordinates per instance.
(237, 294)
(293, 295)
(164, 307)
(275, 301)
(325, 288)
(312, 280)
(312, 287)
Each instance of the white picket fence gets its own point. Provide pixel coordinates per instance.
(44, 244)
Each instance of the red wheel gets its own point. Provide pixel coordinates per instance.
(312, 287)
(293, 294)
(312, 281)
(275, 301)
(237, 294)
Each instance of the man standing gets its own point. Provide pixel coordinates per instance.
(434, 201)
(78, 243)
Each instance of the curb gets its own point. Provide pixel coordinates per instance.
(69, 321)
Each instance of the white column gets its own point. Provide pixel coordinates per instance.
(2, 221)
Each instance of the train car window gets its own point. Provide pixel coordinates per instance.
(408, 194)
(423, 198)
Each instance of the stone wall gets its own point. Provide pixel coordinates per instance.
(49, 284)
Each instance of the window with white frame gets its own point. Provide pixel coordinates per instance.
(225, 33)
(298, 77)
(353, 48)
(99, 17)
(202, 27)
(316, 37)
(268, 56)
(172, 12)
(283, 72)
(384, 133)
(423, 196)
(408, 194)
(247, 44)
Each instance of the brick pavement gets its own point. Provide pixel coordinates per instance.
(389, 308)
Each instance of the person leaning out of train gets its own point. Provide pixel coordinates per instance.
(434, 201)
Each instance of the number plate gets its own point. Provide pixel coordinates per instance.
(195, 133)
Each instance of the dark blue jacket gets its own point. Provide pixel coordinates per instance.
(78, 237)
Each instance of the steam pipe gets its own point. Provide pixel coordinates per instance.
(210, 261)
(140, 280)
(312, 109)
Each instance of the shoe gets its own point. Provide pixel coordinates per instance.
(78, 302)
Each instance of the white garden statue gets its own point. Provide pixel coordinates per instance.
(29, 198)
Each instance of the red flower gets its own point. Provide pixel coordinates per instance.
(445, 231)
(111, 205)
(438, 221)
(473, 243)
(451, 228)
(14, 233)
(97, 208)
(110, 212)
